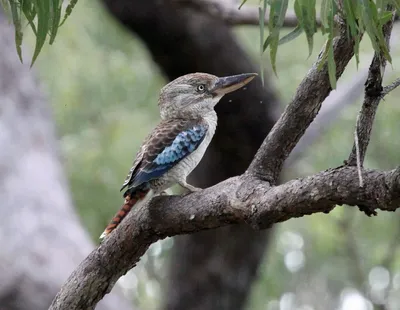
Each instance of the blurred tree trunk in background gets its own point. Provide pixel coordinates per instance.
(41, 238)
(214, 269)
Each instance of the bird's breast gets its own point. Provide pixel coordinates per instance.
(186, 166)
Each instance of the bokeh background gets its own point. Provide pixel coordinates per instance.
(103, 86)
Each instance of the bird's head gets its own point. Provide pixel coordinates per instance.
(194, 95)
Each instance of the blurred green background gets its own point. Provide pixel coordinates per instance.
(103, 87)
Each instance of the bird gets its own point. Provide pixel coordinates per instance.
(177, 144)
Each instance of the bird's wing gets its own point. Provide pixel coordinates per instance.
(169, 143)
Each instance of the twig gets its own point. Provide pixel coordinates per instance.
(356, 144)
(390, 87)
(228, 12)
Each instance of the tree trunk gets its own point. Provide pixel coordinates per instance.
(41, 238)
(214, 269)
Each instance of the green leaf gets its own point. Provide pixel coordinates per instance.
(4, 4)
(306, 15)
(396, 4)
(29, 11)
(15, 11)
(374, 29)
(331, 65)
(43, 17)
(267, 42)
(357, 50)
(57, 6)
(324, 56)
(350, 15)
(243, 2)
(291, 35)
(277, 14)
(261, 16)
(326, 8)
(385, 17)
(72, 4)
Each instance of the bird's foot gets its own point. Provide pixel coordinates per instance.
(189, 188)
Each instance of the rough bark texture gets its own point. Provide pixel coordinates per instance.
(216, 268)
(41, 238)
(243, 199)
(373, 95)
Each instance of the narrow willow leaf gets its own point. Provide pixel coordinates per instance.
(325, 13)
(350, 17)
(328, 55)
(385, 17)
(72, 4)
(357, 49)
(43, 10)
(306, 15)
(277, 15)
(240, 6)
(267, 42)
(291, 35)
(18, 27)
(29, 11)
(261, 16)
(331, 66)
(324, 56)
(5, 5)
(374, 30)
(396, 4)
(57, 6)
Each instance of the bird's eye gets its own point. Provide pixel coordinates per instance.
(201, 88)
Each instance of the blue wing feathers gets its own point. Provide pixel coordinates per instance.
(184, 143)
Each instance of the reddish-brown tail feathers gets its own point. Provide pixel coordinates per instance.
(130, 200)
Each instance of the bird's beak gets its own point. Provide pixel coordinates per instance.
(229, 84)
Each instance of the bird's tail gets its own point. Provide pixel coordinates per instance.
(131, 198)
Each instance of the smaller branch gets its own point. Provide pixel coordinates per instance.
(346, 93)
(390, 87)
(373, 95)
(229, 12)
(300, 113)
(357, 147)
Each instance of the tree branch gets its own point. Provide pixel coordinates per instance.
(390, 87)
(346, 93)
(373, 95)
(241, 199)
(299, 114)
(228, 11)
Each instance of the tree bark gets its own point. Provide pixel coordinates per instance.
(41, 238)
(213, 269)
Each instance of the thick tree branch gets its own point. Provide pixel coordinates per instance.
(228, 12)
(373, 95)
(299, 114)
(241, 199)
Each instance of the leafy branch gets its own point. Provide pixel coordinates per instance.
(365, 16)
(43, 17)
